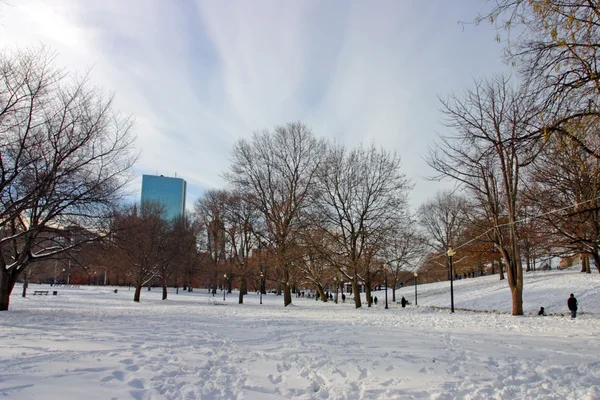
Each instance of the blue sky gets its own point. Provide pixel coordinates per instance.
(198, 75)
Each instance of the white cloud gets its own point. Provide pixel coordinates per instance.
(198, 76)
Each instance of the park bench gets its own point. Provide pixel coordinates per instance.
(40, 292)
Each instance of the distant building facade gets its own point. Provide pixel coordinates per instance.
(170, 192)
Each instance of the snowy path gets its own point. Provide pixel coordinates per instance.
(95, 344)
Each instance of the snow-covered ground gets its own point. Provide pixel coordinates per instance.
(92, 343)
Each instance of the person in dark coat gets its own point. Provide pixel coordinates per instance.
(542, 313)
(343, 298)
(572, 304)
(375, 300)
(403, 302)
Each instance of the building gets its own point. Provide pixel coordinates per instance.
(170, 192)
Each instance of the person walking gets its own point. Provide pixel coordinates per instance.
(403, 302)
(572, 304)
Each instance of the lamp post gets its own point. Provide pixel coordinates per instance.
(224, 284)
(262, 280)
(386, 288)
(416, 275)
(450, 253)
(335, 300)
(54, 282)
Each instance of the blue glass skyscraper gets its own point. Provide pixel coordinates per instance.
(170, 192)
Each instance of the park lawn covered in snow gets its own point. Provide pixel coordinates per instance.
(92, 343)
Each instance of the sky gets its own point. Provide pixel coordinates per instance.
(200, 75)
(88, 342)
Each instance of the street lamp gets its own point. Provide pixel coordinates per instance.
(386, 288)
(55, 262)
(224, 284)
(262, 279)
(450, 253)
(416, 274)
(336, 289)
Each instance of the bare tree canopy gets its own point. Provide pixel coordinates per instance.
(488, 143)
(64, 160)
(555, 46)
(359, 198)
(444, 218)
(565, 187)
(276, 169)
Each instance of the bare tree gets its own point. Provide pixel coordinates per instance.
(317, 270)
(240, 219)
(444, 219)
(210, 214)
(488, 145)
(179, 249)
(140, 237)
(276, 169)
(360, 196)
(556, 50)
(404, 249)
(64, 159)
(565, 187)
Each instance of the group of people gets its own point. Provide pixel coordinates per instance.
(571, 303)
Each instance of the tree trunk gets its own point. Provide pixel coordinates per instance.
(243, 286)
(243, 290)
(368, 294)
(25, 283)
(7, 283)
(356, 291)
(585, 263)
(138, 290)
(287, 290)
(321, 293)
(501, 269)
(514, 269)
(164, 288)
(517, 301)
(596, 257)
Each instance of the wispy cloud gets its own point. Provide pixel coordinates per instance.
(199, 75)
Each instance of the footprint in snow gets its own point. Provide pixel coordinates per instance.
(136, 383)
(120, 375)
(363, 373)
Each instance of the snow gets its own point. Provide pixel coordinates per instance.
(92, 343)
